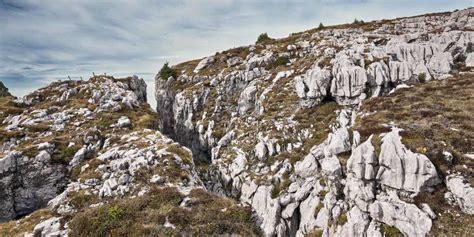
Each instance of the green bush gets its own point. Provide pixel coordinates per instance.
(321, 26)
(422, 77)
(63, 156)
(358, 22)
(167, 72)
(115, 212)
(282, 60)
(262, 38)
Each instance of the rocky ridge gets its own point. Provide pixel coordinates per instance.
(84, 158)
(282, 126)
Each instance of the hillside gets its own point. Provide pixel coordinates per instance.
(362, 129)
(84, 158)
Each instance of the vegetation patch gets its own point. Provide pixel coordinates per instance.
(207, 214)
(167, 72)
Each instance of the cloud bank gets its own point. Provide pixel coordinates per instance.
(43, 41)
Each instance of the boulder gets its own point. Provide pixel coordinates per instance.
(204, 64)
(461, 193)
(403, 169)
(407, 218)
(470, 60)
(312, 87)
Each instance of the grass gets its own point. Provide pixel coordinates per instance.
(389, 231)
(26, 224)
(341, 219)
(146, 216)
(450, 221)
(181, 152)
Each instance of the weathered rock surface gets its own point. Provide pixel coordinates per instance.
(402, 169)
(461, 193)
(28, 183)
(4, 90)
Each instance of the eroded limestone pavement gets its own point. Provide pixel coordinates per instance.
(255, 121)
(270, 125)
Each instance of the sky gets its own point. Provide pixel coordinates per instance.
(45, 41)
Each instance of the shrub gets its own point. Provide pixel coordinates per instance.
(63, 156)
(282, 60)
(115, 212)
(321, 26)
(358, 22)
(422, 77)
(262, 38)
(167, 72)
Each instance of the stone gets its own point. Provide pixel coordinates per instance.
(234, 61)
(307, 167)
(407, 218)
(203, 64)
(348, 84)
(124, 122)
(312, 87)
(403, 169)
(470, 60)
(50, 227)
(247, 99)
(261, 150)
(461, 193)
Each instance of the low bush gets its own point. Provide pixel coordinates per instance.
(167, 72)
(263, 38)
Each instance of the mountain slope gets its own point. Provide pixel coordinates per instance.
(319, 135)
(82, 158)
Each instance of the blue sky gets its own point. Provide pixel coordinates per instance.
(43, 41)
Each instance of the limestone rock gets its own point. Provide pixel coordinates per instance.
(407, 218)
(461, 193)
(403, 169)
(247, 99)
(470, 60)
(204, 63)
(313, 86)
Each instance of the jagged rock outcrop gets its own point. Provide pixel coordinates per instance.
(4, 90)
(403, 170)
(28, 183)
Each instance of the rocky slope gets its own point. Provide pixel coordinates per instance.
(84, 158)
(361, 129)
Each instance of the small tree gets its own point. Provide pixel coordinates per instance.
(262, 38)
(167, 72)
(358, 22)
(321, 26)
